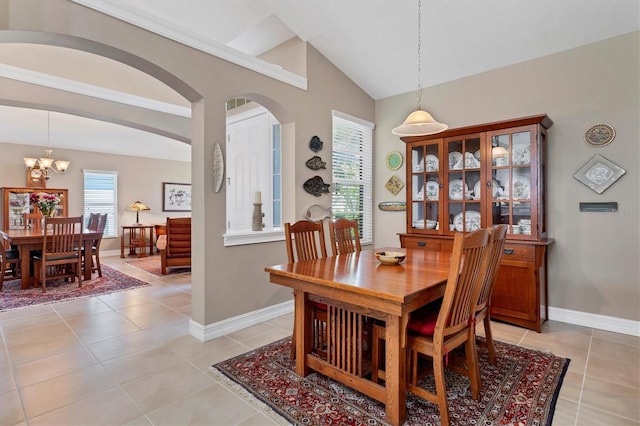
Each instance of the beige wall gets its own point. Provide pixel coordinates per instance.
(231, 281)
(594, 264)
(138, 179)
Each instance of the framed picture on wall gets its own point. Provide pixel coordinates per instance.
(176, 197)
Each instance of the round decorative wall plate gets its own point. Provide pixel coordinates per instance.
(599, 135)
(218, 166)
(394, 160)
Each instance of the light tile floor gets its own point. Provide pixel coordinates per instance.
(127, 359)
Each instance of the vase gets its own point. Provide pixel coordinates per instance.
(49, 227)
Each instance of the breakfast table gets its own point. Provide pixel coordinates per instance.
(32, 239)
(356, 286)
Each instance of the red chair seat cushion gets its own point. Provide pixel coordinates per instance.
(320, 306)
(423, 321)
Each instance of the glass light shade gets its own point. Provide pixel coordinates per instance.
(138, 206)
(30, 162)
(62, 165)
(45, 163)
(419, 123)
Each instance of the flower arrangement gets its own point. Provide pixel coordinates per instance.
(46, 202)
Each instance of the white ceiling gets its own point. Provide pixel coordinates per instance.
(374, 42)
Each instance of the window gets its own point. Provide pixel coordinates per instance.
(253, 158)
(352, 172)
(100, 196)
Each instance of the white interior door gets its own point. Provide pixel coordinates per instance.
(248, 145)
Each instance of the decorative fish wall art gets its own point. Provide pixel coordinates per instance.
(315, 144)
(316, 186)
(316, 163)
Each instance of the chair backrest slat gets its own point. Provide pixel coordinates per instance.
(496, 246)
(32, 221)
(308, 238)
(63, 238)
(465, 273)
(93, 221)
(344, 235)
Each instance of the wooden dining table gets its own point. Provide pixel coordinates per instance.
(32, 239)
(356, 286)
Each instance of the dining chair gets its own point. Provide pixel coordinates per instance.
(483, 307)
(93, 221)
(100, 225)
(344, 236)
(32, 221)
(305, 241)
(442, 326)
(9, 261)
(345, 239)
(60, 256)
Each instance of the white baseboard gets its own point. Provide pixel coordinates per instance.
(601, 322)
(221, 328)
(229, 325)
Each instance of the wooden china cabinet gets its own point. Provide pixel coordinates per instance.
(15, 202)
(480, 176)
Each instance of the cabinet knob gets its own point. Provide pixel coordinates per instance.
(508, 251)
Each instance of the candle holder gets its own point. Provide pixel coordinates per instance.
(257, 224)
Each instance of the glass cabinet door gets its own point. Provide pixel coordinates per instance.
(425, 188)
(463, 182)
(18, 203)
(512, 180)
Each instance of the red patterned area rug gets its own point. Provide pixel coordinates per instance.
(521, 389)
(151, 264)
(12, 296)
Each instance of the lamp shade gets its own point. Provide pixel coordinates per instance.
(419, 123)
(138, 206)
(30, 162)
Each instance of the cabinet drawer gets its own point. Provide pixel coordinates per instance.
(420, 243)
(519, 253)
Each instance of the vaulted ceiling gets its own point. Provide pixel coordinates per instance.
(374, 42)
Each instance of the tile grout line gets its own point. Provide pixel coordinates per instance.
(13, 376)
(584, 377)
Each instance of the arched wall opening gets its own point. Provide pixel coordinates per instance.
(228, 283)
(197, 122)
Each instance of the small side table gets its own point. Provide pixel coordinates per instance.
(136, 240)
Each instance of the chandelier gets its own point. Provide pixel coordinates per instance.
(46, 164)
(42, 166)
(419, 122)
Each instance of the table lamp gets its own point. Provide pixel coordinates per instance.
(138, 206)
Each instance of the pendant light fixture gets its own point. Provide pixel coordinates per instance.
(419, 122)
(45, 164)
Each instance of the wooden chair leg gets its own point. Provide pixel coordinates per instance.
(441, 390)
(489, 339)
(473, 368)
(96, 264)
(43, 278)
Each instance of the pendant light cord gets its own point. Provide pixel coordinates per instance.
(419, 91)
